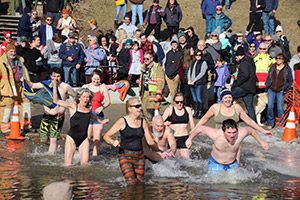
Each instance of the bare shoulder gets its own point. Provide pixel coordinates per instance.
(238, 107)
(188, 109)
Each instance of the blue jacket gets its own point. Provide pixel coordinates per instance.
(75, 51)
(160, 52)
(287, 74)
(42, 33)
(223, 22)
(222, 75)
(208, 7)
(99, 55)
(271, 5)
(24, 26)
(251, 39)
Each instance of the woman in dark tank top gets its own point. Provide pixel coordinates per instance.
(134, 131)
(79, 122)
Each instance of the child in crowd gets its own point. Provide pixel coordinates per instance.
(222, 76)
(137, 59)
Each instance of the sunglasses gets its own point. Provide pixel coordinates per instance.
(137, 106)
(214, 35)
(252, 46)
(146, 58)
(262, 48)
(268, 40)
(279, 58)
(34, 13)
(219, 9)
(198, 55)
(49, 20)
(178, 102)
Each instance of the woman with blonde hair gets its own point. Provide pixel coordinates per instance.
(134, 132)
(94, 30)
(79, 122)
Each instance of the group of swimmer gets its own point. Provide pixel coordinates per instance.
(167, 136)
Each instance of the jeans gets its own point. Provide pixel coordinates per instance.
(280, 103)
(237, 93)
(197, 93)
(118, 9)
(71, 75)
(217, 91)
(137, 9)
(208, 21)
(227, 3)
(269, 21)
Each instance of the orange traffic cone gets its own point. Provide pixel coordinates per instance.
(290, 132)
(15, 130)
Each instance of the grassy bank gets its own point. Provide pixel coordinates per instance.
(104, 11)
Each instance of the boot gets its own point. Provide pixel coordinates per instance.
(196, 110)
(116, 24)
(200, 111)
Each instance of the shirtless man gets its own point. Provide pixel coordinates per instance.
(163, 138)
(53, 119)
(227, 142)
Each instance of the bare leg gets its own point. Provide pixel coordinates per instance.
(52, 146)
(70, 149)
(84, 152)
(96, 132)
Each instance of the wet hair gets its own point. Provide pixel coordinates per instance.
(178, 94)
(129, 102)
(229, 123)
(56, 70)
(80, 93)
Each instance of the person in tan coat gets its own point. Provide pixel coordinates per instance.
(12, 69)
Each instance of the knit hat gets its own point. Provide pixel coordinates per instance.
(240, 51)
(128, 42)
(278, 29)
(10, 47)
(7, 34)
(180, 34)
(225, 92)
(219, 7)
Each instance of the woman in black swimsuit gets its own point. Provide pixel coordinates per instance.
(180, 117)
(134, 131)
(79, 123)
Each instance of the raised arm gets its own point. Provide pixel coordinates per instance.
(32, 85)
(253, 133)
(148, 136)
(191, 119)
(250, 122)
(71, 91)
(120, 124)
(212, 133)
(60, 102)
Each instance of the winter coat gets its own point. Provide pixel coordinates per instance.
(75, 51)
(198, 72)
(223, 22)
(287, 74)
(270, 5)
(173, 17)
(99, 55)
(208, 7)
(222, 75)
(246, 78)
(24, 26)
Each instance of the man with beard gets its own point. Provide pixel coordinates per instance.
(163, 138)
(12, 69)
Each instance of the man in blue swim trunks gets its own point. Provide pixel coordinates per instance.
(227, 141)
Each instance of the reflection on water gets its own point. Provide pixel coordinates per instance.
(25, 170)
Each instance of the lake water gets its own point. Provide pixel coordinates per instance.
(275, 174)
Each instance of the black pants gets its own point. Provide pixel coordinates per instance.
(156, 28)
(172, 30)
(255, 21)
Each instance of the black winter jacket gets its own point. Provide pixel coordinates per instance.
(246, 78)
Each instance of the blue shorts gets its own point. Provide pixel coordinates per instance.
(100, 116)
(214, 166)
